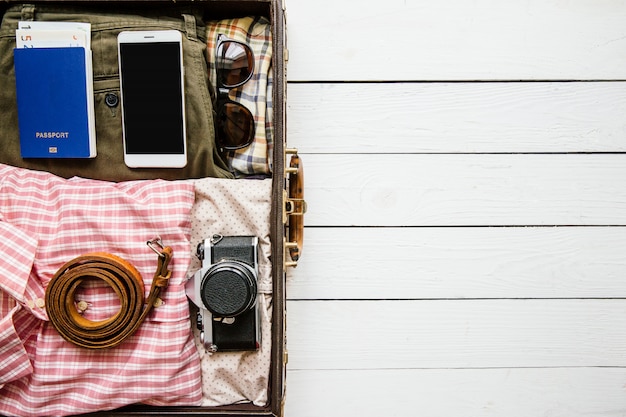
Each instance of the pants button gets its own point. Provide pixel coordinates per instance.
(111, 99)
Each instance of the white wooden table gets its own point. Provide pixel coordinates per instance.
(465, 173)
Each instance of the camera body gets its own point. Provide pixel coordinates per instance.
(225, 291)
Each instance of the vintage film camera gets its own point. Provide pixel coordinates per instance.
(225, 291)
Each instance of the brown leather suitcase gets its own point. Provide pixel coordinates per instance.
(287, 207)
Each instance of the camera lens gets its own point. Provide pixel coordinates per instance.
(228, 289)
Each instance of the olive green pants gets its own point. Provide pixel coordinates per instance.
(106, 22)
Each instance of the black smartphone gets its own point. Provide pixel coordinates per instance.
(152, 98)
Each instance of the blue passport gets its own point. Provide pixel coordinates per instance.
(53, 103)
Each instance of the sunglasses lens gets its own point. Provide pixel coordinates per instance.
(234, 63)
(235, 126)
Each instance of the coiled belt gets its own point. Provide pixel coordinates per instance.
(123, 278)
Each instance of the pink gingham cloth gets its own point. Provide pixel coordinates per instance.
(46, 221)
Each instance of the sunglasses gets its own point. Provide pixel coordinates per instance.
(234, 65)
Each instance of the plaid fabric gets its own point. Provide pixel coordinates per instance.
(256, 32)
(46, 221)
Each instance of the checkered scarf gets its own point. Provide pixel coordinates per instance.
(256, 94)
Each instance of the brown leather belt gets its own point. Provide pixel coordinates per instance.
(123, 278)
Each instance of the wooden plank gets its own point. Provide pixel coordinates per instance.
(560, 392)
(456, 40)
(466, 262)
(456, 334)
(453, 190)
(457, 117)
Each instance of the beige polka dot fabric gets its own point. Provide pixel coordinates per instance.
(231, 208)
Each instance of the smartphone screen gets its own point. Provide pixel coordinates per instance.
(152, 99)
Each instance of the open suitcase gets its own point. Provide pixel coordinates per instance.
(285, 176)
